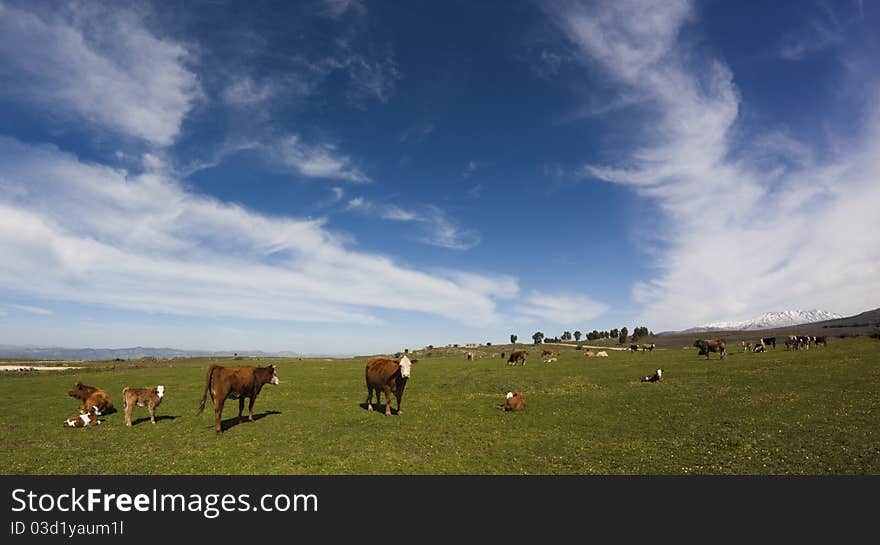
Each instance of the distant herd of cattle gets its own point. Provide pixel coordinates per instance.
(383, 375)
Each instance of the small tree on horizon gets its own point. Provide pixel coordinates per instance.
(615, 333)
(538, 337)
(623, 334)
(513, 339)
(566, 335)
(577, 335)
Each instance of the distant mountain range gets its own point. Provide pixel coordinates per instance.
(137, 352)
(769, 320)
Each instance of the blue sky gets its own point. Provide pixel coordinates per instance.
(351, 177)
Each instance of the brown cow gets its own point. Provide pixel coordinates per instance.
(94, 399)
(711, 345)
(518, 356)
(387, 375)
(589, 354)
(547, 352)
(514, 402)
(235, 383)
(823, 340)
(142, 397)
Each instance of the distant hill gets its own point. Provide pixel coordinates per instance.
(104, 354)
(769, 320)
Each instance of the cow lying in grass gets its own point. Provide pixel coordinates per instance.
(94, 400)
(656, 377)
(602, 354)
(514, 402)
(142, 397)
(82, 420)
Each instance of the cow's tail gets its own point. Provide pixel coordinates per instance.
(208, 380)
(124, 398)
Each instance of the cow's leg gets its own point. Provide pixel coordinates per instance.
(387, 390)
(152, 413)
(253, 399)
(218, 411)
(128, 407)
(240, 408)
(399, 395)
(370, 398)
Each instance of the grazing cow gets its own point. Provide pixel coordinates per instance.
(470, 356)
(93, 399)
(647, 347)
(387, 375)
(803, 341)
(589, 354)
(547, 352)
(518, 356)
(142, 397)
(514, 402)
(823, 340)
(769, 341)
(634, 347)
(656, 377)
(711, 345)
(235, 383)
(760, 347)
(791, 343)
(747, 346)
(602, 354)
(82, 420)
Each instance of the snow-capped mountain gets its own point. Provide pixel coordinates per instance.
(771, 320)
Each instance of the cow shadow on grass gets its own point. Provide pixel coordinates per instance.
(235, 421)
(378, 407)
(158, 419)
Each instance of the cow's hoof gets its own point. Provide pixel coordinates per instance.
(399, 412)
(387, 414)
(370, 408)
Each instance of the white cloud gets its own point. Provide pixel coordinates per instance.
(100, 64)
(87, 233)
(314, 160)
(436, 228)
(747, 227)
(395, 213)
(338, 193)
(568, 309)
(32, 309)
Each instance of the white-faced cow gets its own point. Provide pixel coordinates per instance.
(235, 383)
(387, 375)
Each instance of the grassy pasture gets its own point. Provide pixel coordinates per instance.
(804, 412)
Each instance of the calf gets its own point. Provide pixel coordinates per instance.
(589, 354)
(387, 375)
(550, 360)
(546, 352)
(514, 402)
(93, 399)
(82, 420)
(711, 345)
(235, 383)
(656, 377)
(142, 397)
(760, 347)
(518, 356)
(470, 356)
(747, 346)
(602, 354)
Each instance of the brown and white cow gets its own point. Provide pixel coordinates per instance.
(590, 354)
(546, 352)
(823, 340)
(94, 400)
(142, 397)
(83, 419)
(514, 401)
(711, 345)
(656, 377)
(470, 356)
(747, 346)
(235, 383)
(518, 356)
(387, 375)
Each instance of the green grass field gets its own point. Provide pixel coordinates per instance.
(805, 412)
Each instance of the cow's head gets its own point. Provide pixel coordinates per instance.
(160, 390)
(274, 379)
(405, 367)
(79, 390)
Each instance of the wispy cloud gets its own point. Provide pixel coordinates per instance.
(315, 160)
(32, 309)
(569, 309)
(100, 64)
(469, 169)
(821, 31)
(750, 221)
(435, 226)
(73, 231)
